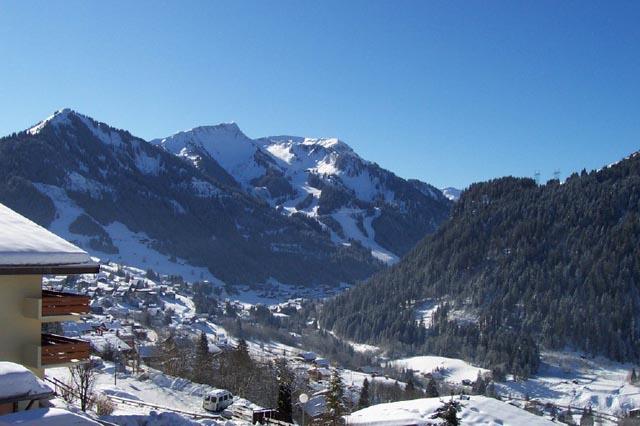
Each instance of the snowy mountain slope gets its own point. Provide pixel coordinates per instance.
(225, 143)
(118, 195)
(452, 193)
(322, 179)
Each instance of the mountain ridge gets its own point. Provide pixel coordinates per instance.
(118, 195)
(325, 180)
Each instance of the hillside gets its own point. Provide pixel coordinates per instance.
(516, 268)
(119, 196)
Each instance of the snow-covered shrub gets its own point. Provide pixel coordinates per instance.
(103, 405)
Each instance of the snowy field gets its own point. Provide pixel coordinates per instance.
(568, 379)
(478, 410)
(451, 370)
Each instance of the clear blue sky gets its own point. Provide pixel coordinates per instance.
(448, 92)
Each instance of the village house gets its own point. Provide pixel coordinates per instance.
(27, 252)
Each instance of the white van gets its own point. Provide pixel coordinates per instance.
(217, 400)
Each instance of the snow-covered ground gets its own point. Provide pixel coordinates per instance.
(451, 370)
(155, 388)
(477, 410)
(566, 378)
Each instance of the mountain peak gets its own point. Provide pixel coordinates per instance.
(60, 116)
(63, 111)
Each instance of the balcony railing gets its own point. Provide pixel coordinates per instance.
(62, 350)
(58, 303)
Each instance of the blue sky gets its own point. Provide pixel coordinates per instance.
(447, 92)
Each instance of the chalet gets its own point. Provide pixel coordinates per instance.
(371, 370)
(107, 342)
(150, 354)
(316, 406)
(318, 374)
(126, 335)
(307, 356)
(27, 252)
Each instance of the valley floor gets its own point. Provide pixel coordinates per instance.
(564, 378)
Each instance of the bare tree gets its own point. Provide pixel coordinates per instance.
(83, 378)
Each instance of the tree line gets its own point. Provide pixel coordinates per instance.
(532, 266)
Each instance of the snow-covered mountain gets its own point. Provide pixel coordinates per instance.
(452, 193)
(323, 180)
(121, 197)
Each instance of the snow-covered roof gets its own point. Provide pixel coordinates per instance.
(108, 340)
(316, 405)
(23, 243)
(16, 380)
(46, 417)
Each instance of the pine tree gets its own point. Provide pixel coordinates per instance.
(410, 389)
(432, 389)
(242, 356)
(335, 398)
(480, 386)
(363, 401)
(203, 363)
(449, 412)
(634, 376)
(285, 383)
(587, 417)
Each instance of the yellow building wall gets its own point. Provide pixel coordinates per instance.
(17, 332)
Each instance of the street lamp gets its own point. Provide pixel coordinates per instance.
(303, 398)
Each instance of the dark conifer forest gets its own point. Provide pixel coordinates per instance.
(519, 267)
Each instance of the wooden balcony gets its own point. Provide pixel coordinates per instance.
(59, 303)
(60, 350)
(56, 306)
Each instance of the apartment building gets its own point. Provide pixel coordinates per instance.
(27, 252)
